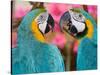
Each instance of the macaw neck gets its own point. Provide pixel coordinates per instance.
(92, 31)
(24, 37)
(91, 25)
(27, 36)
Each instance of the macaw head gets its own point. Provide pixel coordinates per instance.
(38, 22)
(45, 22)
(42, 24)
(74, 23)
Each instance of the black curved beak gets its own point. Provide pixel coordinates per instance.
(50, 24)
(66, 24)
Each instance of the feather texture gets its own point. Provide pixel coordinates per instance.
(87, 55)
(87, 50)
(32, 56)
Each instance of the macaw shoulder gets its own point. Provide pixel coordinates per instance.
(52, 58)
(87, 55)
(48, 49)
(87, 51)
(88, 45)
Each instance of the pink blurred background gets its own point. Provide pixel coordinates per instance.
(64, 43)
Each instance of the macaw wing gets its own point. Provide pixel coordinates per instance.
(39, 59)
(48, 59)
(87, 55)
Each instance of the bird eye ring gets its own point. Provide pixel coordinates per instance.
(78, 17)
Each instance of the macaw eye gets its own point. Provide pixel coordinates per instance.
(79, 17)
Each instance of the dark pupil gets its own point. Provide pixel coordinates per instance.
(80, 15)
(41, 17)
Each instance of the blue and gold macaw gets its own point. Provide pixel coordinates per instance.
(79, 24)
(33, 54)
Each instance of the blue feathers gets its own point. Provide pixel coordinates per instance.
(87, 55)
(87, 50)
(32, 56)
(37, 58)
(79, 24)
(88, 16)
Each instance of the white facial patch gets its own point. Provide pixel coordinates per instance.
(42, 21)
(42, 27)
(80, 26)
